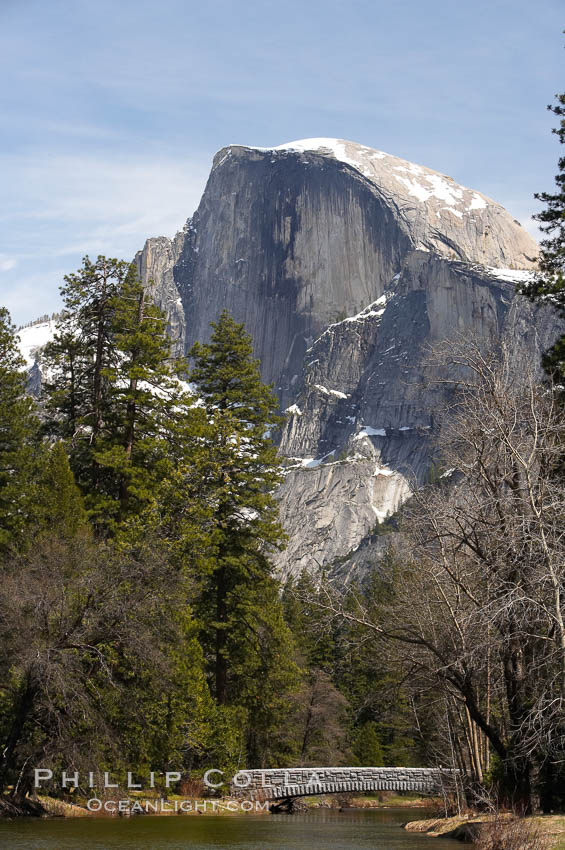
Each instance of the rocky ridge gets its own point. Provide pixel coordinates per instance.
(346, 263)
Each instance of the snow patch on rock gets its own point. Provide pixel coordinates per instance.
(33, 338)
(511, 275)
(294, 410)
(325, 391)
(369, 431)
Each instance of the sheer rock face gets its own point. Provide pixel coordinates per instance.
(361, 433)
(155, 266)
(345, 263)
(290, 239)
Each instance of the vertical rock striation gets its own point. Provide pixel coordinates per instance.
(345, 263)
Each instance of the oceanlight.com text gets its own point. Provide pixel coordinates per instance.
(162, 806)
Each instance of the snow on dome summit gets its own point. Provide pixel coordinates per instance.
(438, 214)
(420, 182)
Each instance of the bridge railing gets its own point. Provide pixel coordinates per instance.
(276, 784)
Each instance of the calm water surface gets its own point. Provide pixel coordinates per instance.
(320, 830)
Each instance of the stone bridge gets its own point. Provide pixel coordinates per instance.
(286, 784)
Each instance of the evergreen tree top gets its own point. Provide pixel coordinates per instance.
(549, 284)
(11, 360)
(228, 377)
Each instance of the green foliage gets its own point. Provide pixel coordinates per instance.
(60, 506)
(17, 430)
(165, 722)
(317, 639)
(141, 626)
(367, 746)
(244, 523)
(549, 284)
(365, 675)
(99, 660)
(263, 673)
(388, 526)
(82, 351)
(112, 390)
(133, 449)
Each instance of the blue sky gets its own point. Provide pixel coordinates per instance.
(112, 111)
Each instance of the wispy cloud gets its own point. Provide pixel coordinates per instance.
(62, 207)
(112, 111)
(7, 263)
(133, 191)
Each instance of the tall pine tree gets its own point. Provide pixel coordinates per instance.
(17, 428)
(549, 284)
(82, 350)
(135, 446)
(111, 389)
(245, 526)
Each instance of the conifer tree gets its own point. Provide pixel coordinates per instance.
(111, 389)
(264, 675)
(59, 507)
(76, 364)
(135, 446)
(244, 519)
(17, 428)
(82, 350)
(549, 284)
(367, 746)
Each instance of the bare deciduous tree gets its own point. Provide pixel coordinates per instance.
(478, 603)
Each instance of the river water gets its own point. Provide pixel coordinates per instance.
(322, 829)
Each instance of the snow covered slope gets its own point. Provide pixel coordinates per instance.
(32, 338)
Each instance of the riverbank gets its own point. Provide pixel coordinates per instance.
(467, 828)
(51, 807)
(25, 807)
(45, 806)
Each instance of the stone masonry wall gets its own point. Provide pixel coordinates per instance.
(301, 782)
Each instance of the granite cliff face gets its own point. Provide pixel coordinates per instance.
(292, 238)
(345, 263)
(363, 428)
(155, 266)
